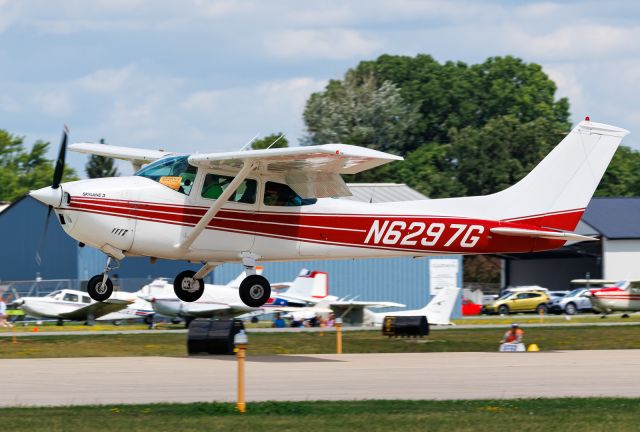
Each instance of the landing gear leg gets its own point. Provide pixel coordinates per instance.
(255, 289)
(189, 285)
(100, 286)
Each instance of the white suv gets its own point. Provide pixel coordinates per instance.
(572, 303)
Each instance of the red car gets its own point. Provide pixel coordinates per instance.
(470, 308)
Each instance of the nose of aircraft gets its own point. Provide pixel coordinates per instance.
(48, 195)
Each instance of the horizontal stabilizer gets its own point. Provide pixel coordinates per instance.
(553, 235)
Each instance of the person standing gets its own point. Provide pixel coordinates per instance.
(3, 313)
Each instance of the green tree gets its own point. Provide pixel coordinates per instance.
(455, 95)
(622, 177)
(493, 157)
(23, 170)
(267, 141)
(101, 166)
(359, 111)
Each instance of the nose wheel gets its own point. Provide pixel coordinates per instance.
(255, 290)
(187, 287)
(99, 288)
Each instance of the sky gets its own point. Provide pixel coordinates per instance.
(206, 75)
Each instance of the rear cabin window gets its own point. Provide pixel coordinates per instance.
(215, 184)
(279, 194)
(86, 299)
(175, 172)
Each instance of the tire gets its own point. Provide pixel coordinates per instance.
(117, 323)
(99, 291)
(255, 290)
(187, 288)
(542, 309)
(570, 309)
(148, 320)
(503, 310)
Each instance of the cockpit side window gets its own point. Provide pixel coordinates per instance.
(174, 172)
(70, 297)
(279, 194)
(214, 184)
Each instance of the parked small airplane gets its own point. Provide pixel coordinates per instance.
(74, 305)
(438, 311)
(282, 204)
(223, 301)
(623, 296)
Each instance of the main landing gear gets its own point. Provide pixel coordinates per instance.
(100, 286)
(254, 290)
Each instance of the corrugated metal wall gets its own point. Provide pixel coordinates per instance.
(21, 227)
(403, 280)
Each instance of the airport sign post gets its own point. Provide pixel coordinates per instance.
(241, 341)
(339, 335)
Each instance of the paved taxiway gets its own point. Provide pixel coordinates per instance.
(80, 381)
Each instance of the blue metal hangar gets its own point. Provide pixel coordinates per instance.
(404, 280)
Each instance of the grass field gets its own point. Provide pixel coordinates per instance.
(484, 340)
(568, 415)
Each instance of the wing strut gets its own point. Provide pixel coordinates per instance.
(247, 167)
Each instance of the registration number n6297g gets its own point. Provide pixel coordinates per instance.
(404, 233)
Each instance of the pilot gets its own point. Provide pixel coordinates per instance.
(513, 335)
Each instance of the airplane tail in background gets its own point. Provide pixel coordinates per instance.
(309, 285)
(557, 191)
(440, 308)
(235, 283)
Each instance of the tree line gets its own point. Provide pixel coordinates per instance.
(463, 129)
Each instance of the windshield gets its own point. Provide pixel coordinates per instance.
(53, 294)
(505, 295)
(575, 292)
(173, 172)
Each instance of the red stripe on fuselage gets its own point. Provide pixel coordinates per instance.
(343, 229)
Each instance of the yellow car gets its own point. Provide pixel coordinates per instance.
(520, 301)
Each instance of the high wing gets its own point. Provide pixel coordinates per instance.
(96, 310)
(311, 171)
(136, 156)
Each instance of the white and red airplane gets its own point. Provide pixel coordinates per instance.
(282, 204)
(622, 296)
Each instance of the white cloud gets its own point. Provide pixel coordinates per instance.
(579, 42)
(106, 80)
(316, 44)
(53, 102)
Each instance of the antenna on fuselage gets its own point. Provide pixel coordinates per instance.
(250, 142)
(277, 139)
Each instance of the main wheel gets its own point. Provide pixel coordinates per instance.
(503, 310)
(542, 309)
(186, 287)
(570, 309)
(255, 290)
(99, 291)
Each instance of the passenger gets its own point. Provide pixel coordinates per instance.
(513, 335)
(272, 195)
(278, 322)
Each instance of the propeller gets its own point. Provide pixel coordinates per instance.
(58, 172)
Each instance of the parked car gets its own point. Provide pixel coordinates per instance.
(572, 303)
(470, 308)
(520, 301)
